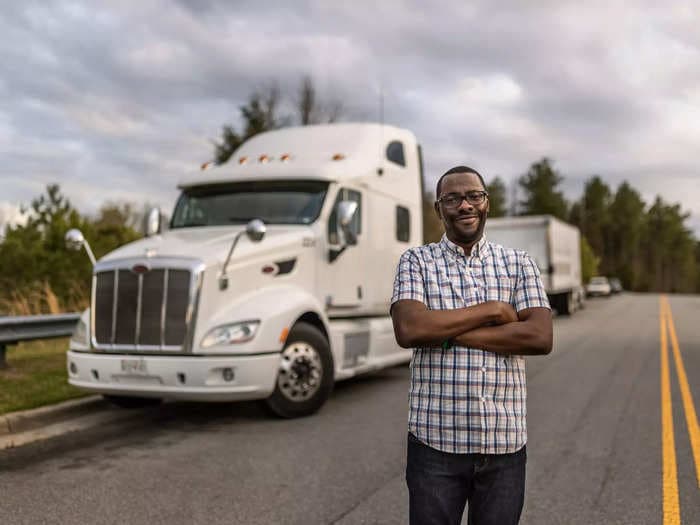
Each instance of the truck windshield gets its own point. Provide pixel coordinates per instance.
(275, 202)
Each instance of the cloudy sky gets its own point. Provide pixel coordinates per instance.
(118, 101)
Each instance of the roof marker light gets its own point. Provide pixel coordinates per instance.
(338, 156)
(263, 158)
(207, 165)
(285, 157)
(242, 160)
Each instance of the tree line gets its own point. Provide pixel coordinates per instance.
(38, 274)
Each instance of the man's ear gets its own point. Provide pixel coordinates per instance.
(436, 205)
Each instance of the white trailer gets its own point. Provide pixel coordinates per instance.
(272, 282)
(555, 247)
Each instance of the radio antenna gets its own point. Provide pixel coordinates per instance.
(381, 104)
(380, 170)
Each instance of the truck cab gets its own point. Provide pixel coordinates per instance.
(272, 281)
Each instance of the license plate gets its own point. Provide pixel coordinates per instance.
(134, 366)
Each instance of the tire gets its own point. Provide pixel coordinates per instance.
(305, 377)
(569, 303)
(132, 402)
(563, 303)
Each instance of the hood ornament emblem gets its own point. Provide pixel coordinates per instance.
(140, 268)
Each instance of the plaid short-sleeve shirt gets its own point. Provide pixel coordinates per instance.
(466, 400)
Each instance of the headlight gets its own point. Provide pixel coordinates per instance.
(80, 334)
(230, 334)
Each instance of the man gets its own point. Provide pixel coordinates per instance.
(470, 309)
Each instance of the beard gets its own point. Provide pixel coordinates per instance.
(466, 233)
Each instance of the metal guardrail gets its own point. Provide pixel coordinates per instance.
(32, 327)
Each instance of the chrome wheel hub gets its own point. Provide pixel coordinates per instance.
(300, 372)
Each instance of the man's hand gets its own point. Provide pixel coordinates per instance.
(504, 312)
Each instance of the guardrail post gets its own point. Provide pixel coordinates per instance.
(3, 363)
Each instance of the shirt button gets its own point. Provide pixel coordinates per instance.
(483, 400)
(483, 369)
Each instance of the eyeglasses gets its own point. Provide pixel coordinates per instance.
(454, 200)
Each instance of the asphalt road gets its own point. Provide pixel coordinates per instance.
(595, 450)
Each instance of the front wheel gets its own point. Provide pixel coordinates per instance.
(305, 375)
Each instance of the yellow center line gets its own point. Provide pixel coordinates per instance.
(671, 505)
(691, 417)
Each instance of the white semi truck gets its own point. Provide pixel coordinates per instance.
(272, 281)
(556, 248)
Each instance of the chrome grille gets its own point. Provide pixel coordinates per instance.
(144, 311)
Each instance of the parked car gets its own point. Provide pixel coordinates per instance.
(598, 286)
(615, 285)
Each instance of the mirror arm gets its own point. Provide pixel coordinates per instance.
(91, 255)
(223, 279)
(333, 254)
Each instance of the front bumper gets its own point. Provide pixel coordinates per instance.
(175, 377)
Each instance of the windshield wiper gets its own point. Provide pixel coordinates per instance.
(241, 219)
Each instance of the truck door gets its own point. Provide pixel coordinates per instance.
(342, 274)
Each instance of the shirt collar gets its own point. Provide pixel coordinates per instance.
(449, 246)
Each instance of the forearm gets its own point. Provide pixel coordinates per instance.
(432, 327)
(520, 338)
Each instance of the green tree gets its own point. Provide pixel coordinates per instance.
(116, 224)
(497, 198)
(432, 227)
(591, 215)
(626, 230)
(697, 267)
(540, 187)
(259, 114)
(36, 267)
(589, 261)
(670, 249)
(230, 140)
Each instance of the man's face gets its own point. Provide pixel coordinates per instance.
(464, 224)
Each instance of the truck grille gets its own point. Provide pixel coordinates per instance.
(142, 311)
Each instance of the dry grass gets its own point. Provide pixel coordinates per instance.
(36, 376)
(40, 299)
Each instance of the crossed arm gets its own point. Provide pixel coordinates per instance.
(492, 326)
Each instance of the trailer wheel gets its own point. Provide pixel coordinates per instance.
(564, 303)
(305, 376)
(132, 402)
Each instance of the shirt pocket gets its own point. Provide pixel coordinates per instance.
(443, 293)
(499, 284)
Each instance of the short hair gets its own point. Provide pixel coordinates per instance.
(457, 169)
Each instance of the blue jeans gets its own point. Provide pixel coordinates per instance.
(440, 484)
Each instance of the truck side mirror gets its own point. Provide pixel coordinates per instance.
(255, 230)
(76, 240)
(346, 214)
(152, 224)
